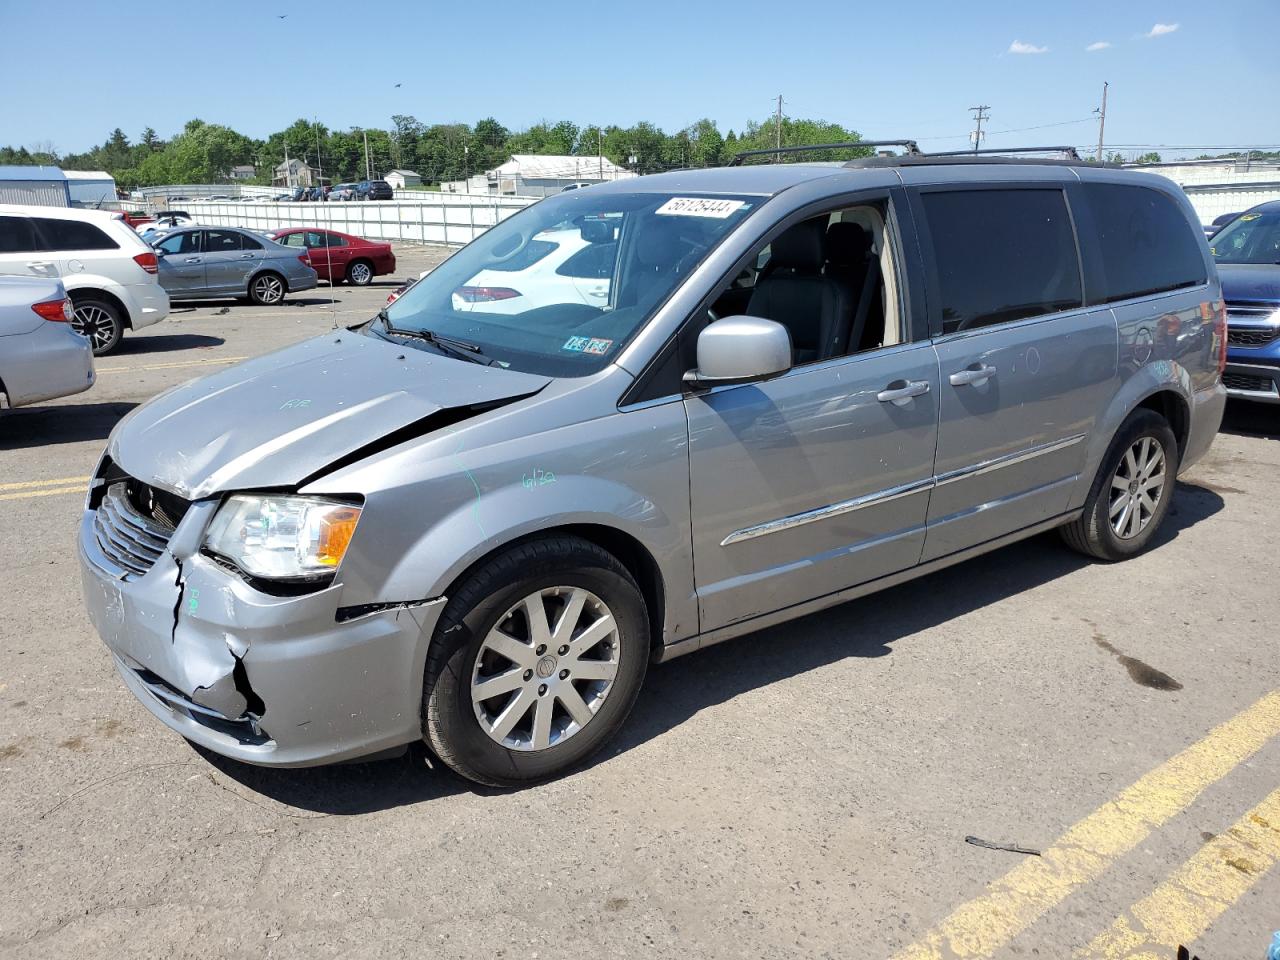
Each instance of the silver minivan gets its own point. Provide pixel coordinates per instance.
(479, 516)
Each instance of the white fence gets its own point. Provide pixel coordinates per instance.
(1213, 200)
(453, 221)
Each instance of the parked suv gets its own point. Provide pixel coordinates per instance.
(373, 190)
(1248, 254)
(803, 384)
(108, 271)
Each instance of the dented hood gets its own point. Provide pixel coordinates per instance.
(286, 416)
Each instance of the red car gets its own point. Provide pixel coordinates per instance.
(340, 256)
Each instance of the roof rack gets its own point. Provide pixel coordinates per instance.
(996, 151)
(909, 146)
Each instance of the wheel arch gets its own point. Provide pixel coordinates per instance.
(624, 547)
(89, 293)
(253, 278)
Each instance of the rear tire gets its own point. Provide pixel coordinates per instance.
(99, 321)
(360, 273)
(1131, 493)
(561, 701)
(267, 289)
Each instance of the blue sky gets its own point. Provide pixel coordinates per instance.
(888, 69)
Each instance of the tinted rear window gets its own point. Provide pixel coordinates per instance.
(73, 235)
(1002, 255)
(18, 236)
(1145, 243)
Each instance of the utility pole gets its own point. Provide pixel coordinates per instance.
(1102, 119)
(368, 169)
(979, 114)
(600, 151)
(466, 167)
(777, 132)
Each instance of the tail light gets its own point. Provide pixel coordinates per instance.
(147, 261)
(1220, 331)
(305, 259)
(59, 311)
(486, 294)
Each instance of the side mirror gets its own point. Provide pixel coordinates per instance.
(740, 350)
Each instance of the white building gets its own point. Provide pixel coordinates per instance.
(1221, 185)
(244, 171)
(400, 179)
(91, 188)
(539, 175)
(295, 173)
(46, 186)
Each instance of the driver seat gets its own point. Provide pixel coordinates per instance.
(812, 306)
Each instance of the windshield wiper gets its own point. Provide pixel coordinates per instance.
(451, 346)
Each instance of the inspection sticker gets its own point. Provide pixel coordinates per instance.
(700, 207)
(588, 345)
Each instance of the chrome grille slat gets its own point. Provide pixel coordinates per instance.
(132, 542)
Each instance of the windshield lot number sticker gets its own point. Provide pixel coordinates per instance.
(700, 207)
(588, 345)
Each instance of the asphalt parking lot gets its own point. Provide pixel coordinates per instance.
(804, 791)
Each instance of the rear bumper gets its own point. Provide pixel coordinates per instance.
(1207, 408)
(148, 303)
(48, 362)
(275, 681)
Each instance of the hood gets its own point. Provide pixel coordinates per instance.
(1250, 281)
(281, 418)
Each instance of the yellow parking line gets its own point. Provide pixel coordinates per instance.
(26, 484)
(170, 366)
(47, 492)
(1024, 894)
(1182, 908)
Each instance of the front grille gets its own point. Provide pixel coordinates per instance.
(1251, 336)
(1248, 381)
(129, 539)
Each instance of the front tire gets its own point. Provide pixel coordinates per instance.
(99, 321)
(1131, 493)
(267, 289)
(536, 662)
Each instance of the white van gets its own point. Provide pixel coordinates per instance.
(109, 272)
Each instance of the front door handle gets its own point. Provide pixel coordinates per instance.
(900, 392)
(246, 256)
(191, 260)
(976, 375)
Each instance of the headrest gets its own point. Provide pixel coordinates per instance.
(798, 248)
(848, 243)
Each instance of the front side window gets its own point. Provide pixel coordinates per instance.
(73, 235)
(1146, 244)
(17, 235)
(1002, 255)
(1252, 238)
(535, 319)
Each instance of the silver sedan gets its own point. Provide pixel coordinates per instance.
(41, 355)
(200, 263)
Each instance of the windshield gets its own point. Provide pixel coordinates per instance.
(561, 287)
(1251, 238)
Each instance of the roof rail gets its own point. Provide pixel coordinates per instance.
(909, 145)
(996, 151)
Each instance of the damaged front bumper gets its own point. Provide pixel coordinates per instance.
(273, 680)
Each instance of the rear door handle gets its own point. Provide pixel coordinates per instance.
(191, 260)
(975, 375)
(246, 256)
(900, 392)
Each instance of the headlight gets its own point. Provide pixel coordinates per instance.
(281, 537)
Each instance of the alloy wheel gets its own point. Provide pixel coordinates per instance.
(268, 289)
(361, 274)
(1137, 488)
(92, 321)
(545, 669)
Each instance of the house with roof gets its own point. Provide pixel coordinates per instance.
(400, 179)
(294, 173)
(46, 186)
